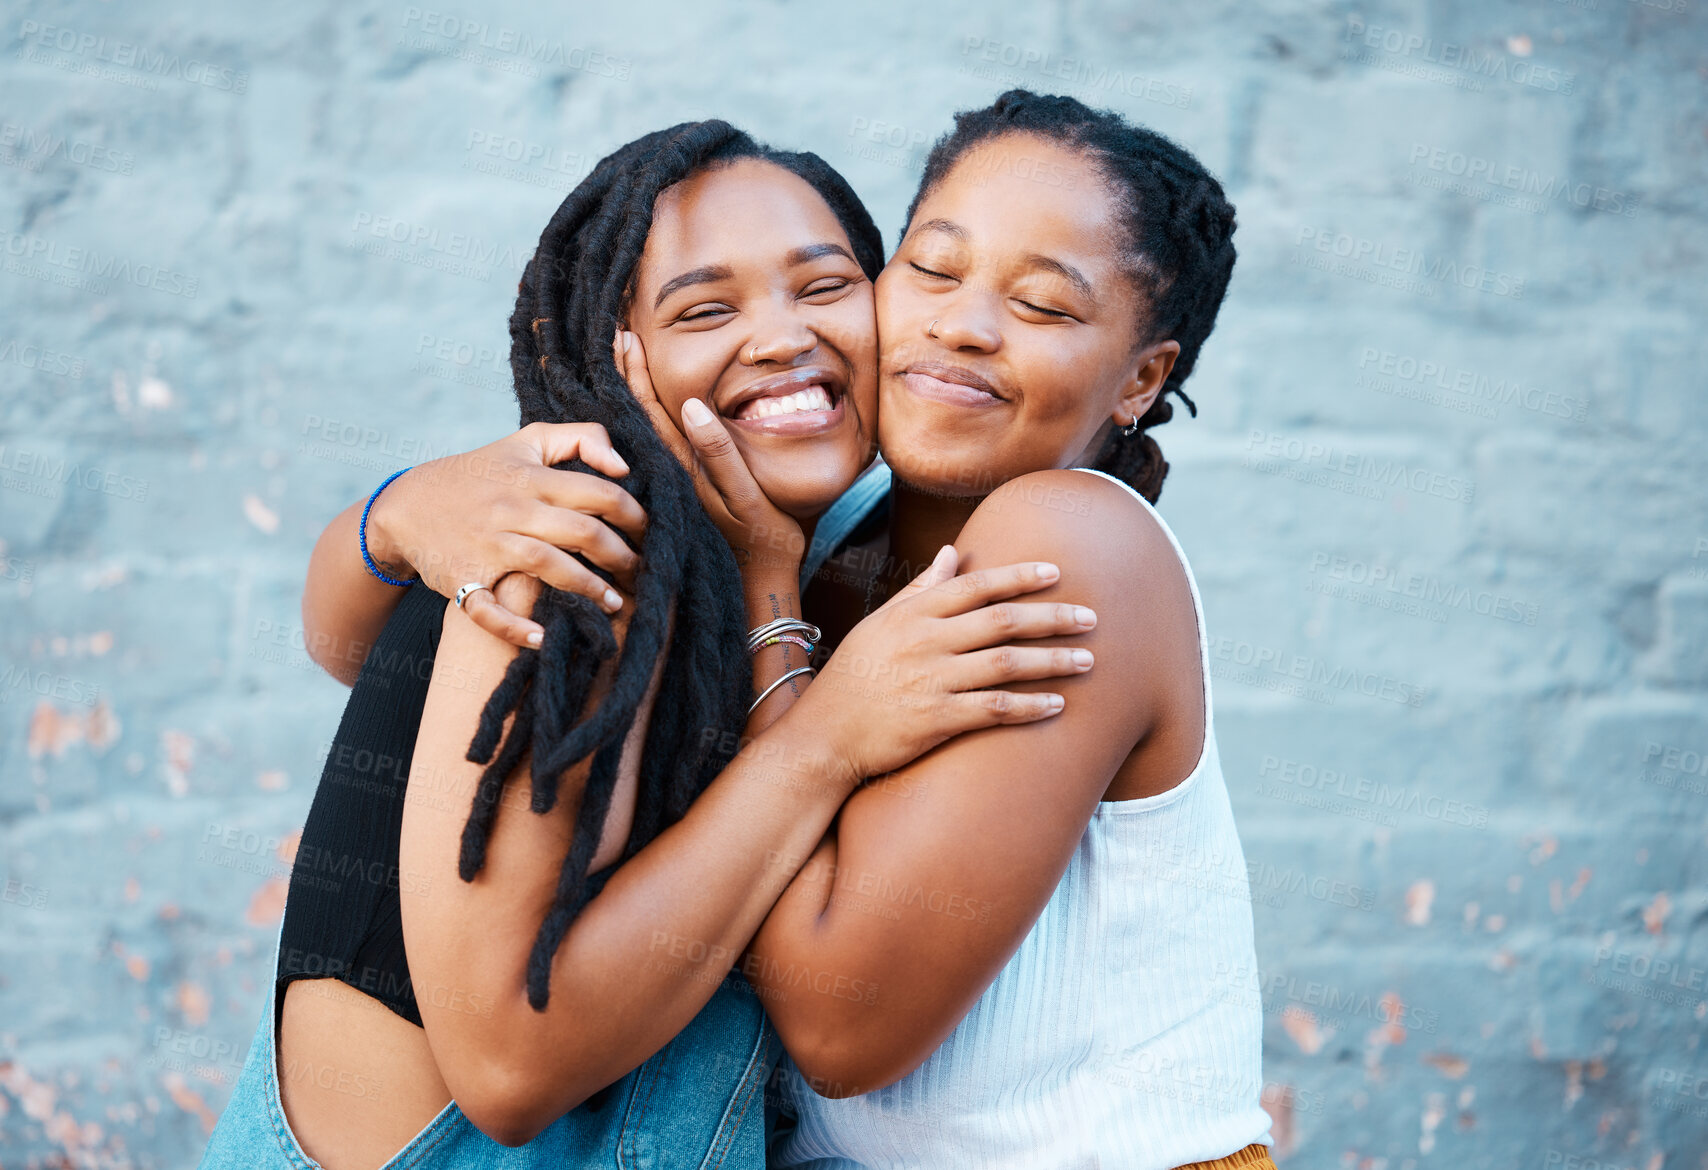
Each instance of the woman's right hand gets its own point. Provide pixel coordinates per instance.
(504, 508)
(921, 669)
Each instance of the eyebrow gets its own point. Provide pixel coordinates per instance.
(811, 252)
(708, 273)
(948, 227)
(705, 274)
(1066, 271)
(1032, 260)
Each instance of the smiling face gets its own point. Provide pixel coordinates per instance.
(748, 297)
(1009, 322)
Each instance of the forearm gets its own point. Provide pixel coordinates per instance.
(344, 607)
(885, 940)
(772, 592)
(646, 955)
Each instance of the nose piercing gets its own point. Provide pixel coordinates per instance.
(753, 354)
(931, 329)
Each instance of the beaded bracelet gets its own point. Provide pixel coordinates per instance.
(362, 533)
(776, 638)
(776, 626)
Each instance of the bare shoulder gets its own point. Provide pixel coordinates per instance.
(1096, 530)
(1116, 557)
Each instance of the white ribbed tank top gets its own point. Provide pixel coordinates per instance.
(1127, 1030)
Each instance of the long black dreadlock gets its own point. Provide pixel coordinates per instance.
(572, 295)
(1180, 247)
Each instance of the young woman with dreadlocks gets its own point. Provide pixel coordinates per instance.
(1058, 915)
(475, 957)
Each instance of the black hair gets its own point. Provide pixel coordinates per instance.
(688, 607)
(1179, 228)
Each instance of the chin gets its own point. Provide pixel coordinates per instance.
(944, 465)
(805, 490)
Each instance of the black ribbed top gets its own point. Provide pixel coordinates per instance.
(344, 916)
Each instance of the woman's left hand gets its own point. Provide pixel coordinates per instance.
(761, 533)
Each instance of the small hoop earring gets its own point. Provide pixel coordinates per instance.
(931, 329)
(1131, 428)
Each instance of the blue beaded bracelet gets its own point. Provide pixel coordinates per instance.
(362, 532)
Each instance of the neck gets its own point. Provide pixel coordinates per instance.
(921, 523)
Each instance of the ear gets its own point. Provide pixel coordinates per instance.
(1150, 369)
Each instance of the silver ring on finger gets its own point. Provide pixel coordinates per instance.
(471, 587)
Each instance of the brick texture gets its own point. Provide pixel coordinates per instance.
(1445, 496)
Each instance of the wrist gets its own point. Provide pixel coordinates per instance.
(381, 537)
(809, 748)
(774, 548)
(774, 562)
(771, 574)
(770, 593)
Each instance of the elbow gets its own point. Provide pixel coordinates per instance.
(513, 1106)
(340, 669)
(320, 647)
(838, 1067)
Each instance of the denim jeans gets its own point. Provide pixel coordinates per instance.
(697, 1102)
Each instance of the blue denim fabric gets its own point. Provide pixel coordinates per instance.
(697, 1102)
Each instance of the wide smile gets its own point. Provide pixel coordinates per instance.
(804, 401)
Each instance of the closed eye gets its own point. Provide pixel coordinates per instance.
(1041, 309)
(701, 312)
(924, 271)
(830, 285)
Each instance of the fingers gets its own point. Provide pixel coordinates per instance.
(588, 442)
(941, 569)
(725, 469)
(978, 709)
(971, 590)
(1007, 621)
(1005, 664)
(576, 532)
(558, 569)
(630, 357)
(482, 608)
(588, 495)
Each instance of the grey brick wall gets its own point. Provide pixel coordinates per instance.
(1445, 496)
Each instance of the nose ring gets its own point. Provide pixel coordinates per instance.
(931, 329)
(753, 354)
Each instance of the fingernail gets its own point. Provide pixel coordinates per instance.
(621, 462)
(1082, 658)
(696, 413)
(1084, 616)
(628, 340)
(1054, 702)
(1048, 572)
(613, 600)
(535, 638)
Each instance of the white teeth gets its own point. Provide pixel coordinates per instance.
(811, 398)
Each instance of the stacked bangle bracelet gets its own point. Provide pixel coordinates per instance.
(792, 630)
(776, 638)
(362, 533)
(766, 693)
(783, 630)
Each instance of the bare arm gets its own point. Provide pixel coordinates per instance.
(964, 846)
(647, 953)
(344, 607)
